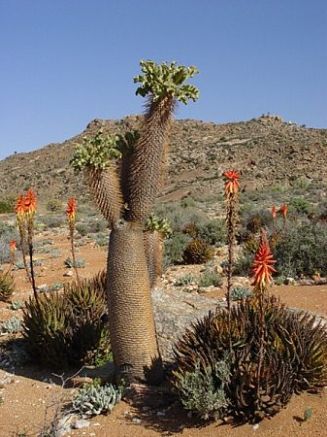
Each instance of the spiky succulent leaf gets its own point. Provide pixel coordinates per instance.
(95, 399)
(7, 286)
(295, 356)
(69, 329)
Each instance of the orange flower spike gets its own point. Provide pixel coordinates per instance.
(231, 182)
(71, 209)
(262, 267)
(274, 212)
(283, 210)
(20, 206)
(30, 202)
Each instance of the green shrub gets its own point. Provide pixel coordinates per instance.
(243, 263)
(185, 280)
(203, 391)
(213, 232)
(92, 226)
(210, 278)
(253, 222)
(54, 205)
(295, 358)
(300, 205)
(11, 326)
(7, 206)
(197, 252)
(174, 248)
(239, 293)
(302, 250)
(7, 233)
(70, 329)
(7, 286)
(188, 202)
(53, 220)
(79, 263)
(178, 217)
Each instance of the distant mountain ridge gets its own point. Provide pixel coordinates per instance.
(266, 150)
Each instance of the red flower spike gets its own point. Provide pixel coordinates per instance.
(262, 267)
(283, 210)
(71, 209)
(274, 212)
(231, 182)
(30, 202)
(20, 206)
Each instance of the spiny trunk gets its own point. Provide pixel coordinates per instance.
(145, 172)
(105, 186)
(153, 252)
(131, 322)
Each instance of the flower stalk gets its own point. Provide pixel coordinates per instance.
(231, 196)
(25, 212)
(71, 219)
(262, 269)
(283, 210)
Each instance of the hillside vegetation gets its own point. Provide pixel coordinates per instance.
(271, 154)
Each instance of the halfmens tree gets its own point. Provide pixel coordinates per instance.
(125, 190)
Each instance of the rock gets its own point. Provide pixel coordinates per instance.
(69, 273)
(290, 281)
(42, 288)
(64, 425)
(174, 311)
(81, 423)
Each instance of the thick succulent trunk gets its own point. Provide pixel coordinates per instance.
(153, 253)
(106, 189)
(131, 322)
(145, 175)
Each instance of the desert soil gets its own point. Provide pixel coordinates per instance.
(30, 396)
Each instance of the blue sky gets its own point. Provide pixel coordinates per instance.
(66, 62)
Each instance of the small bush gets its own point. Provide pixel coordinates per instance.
(213, 232)
(7, 233)
(210, 278)
(300, 205)
(70, 329)
(92, 226)
(199, 393)
(95, 399)
(7, 286)
(302, 250)
(185, 280)
(79, 264)
(11, 326)
(16, 305)
(6, 206)
(197, 252)
(179, 217)
(54, 205)
(239, 293)
(243, 263)
(188, 202)
(53, 221)
(174, 248)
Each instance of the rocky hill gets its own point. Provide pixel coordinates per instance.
(268, 151)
